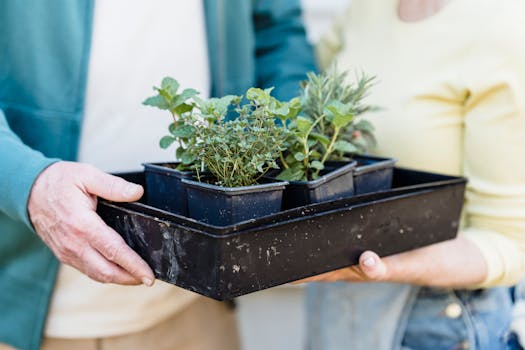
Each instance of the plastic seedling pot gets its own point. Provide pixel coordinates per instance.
(164, 188)
(336, 182)
(373, 174)
(223, 206)
(228, 261)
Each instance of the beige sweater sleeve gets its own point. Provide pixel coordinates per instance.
(494, 163)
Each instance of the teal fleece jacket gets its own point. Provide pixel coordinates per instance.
(44, 53)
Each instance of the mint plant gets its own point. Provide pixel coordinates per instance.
(179, 105)
(325, 127)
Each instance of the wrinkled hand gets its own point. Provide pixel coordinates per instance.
(456, 263)
(62, 208)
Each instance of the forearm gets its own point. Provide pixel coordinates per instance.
(456, 263)
(20, 166)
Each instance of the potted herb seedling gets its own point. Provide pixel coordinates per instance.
(223, 160)
(164, 188)
(371, 173)
(236, 153)
(323, 138)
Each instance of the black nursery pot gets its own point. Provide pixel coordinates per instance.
(336, 182)
(373, 174)
(222, 206)
(164, 188)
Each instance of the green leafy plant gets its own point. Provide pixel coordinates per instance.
(326, 126)
(237, 152)
(178, 104)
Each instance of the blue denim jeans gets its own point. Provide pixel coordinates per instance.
(346, 316)
(455, 320)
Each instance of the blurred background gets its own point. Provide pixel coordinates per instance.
(274, 318)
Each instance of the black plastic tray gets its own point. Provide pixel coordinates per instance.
(226, 262)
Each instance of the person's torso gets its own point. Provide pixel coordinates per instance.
(133, 46)
(426, 73)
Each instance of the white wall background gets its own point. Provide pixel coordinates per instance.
(274, 319)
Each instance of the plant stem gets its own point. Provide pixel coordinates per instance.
(174, 115)
(283, 162)
(329, 148)
(305, 144)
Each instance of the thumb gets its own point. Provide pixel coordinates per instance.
(110, 187)
(372, 266)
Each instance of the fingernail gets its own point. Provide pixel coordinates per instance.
(147, 281)
(132, 190)
(369, 262)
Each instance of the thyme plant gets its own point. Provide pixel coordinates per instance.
(237, 152)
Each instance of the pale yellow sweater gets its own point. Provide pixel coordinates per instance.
(452, 88)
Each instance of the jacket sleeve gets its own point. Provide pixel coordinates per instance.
(19, 167)
(283, 54)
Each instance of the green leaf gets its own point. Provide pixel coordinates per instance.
(290, 175)
(339, 114)
(259, 167)
(364, 125)
(184, 96)
(175, 125)
(217, 106)
(179, 152)
(295, 103)
(317, 165)
(201, 104)
(314, 154)
(183, 131)
(269, 90)
(170, 85)
(323, 139)
(290, 158)
(188, 93)
(187, 158)
(273, 164)
(259, 96)
(254, 93)
(299, 156)
(345, 146)
(303, 124)
(166, 95)
(183, 108)
(156, 101)
(166, 141)
(342, 120)
(281, 111)
(311, 143)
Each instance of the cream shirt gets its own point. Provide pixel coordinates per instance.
(135, 43)
(452, 88)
